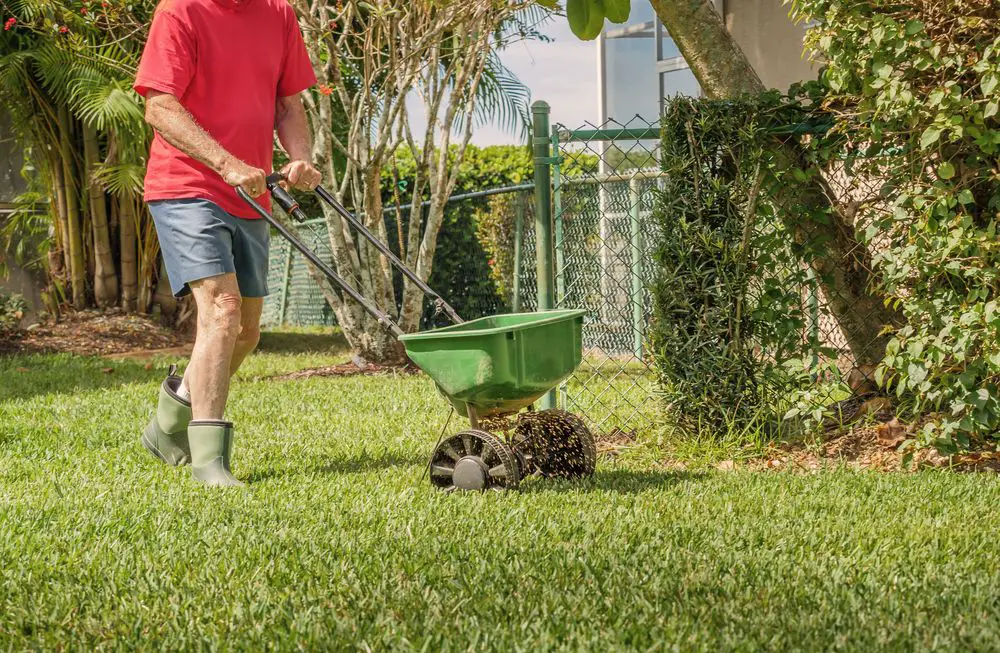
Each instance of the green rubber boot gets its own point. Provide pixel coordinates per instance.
(211, 443)
(166, 434)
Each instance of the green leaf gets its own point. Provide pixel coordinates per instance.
(881, 69)
(929, 137)
(917, 374)
(617, 11)
(946, 170)
(914, 27)
(586, 18)
(965, 196)
(991, 109)
(989, 83)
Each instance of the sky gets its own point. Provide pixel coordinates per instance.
(562, 72)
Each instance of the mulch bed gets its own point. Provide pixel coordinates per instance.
(873, 447)
(872, 442)
(92, 333)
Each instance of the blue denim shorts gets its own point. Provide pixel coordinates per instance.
(199, 240)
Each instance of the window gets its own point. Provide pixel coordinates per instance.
(627, 59)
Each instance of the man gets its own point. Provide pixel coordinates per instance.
(219, 77)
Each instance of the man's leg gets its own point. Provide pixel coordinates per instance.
(207, 376)
(219, 316)
(249, 331)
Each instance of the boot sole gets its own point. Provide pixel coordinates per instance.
(215, 475)
(147, 442)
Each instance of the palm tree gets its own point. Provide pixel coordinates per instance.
(66, 85)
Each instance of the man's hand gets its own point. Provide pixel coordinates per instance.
(252, 180)
(301, 175)
(293, 132)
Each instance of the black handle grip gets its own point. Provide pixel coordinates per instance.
(283, 198)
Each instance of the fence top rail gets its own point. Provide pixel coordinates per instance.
(609, 134)
(652, 132)
(634, 175)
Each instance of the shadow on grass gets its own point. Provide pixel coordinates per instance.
(363, 463)
(623, 481)
(302, 342)
(25, 376)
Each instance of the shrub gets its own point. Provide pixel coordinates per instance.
(914, 89)
(12, 309)
(727, 304)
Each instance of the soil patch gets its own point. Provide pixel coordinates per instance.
(612, 443)
(356, 367)
(93, 333)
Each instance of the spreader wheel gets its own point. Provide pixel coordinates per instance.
(556, 443)
(474, 460)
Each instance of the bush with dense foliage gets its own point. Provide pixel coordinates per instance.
(910, 95)
(12, 309)
(914, 90)
(728, 308)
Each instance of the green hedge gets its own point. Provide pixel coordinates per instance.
(727, 302)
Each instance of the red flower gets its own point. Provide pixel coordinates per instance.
(325, 90)
(63, 30)
(10, 23)
(83, 12)
(491, 262)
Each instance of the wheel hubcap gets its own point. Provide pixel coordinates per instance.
(471, 473)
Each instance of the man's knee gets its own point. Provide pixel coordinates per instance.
(249, 337)
(222, 314)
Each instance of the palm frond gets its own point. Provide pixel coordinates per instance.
(502, 99)
(24, 235)
(106, 105)
(121, 179)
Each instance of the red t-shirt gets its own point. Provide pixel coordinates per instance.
(227, 61)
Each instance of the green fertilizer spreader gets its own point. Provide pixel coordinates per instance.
(492, 370)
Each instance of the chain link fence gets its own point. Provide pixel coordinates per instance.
(462, 269)
(603, 232)
(606, 182)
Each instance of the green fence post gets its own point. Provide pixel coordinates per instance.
(560, 268)
(518, 235)
(638, 310)
(541, 143)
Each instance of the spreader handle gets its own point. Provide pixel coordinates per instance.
(372, 310)
(292, 208)
(283, 198)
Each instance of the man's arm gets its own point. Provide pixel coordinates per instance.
(293, 133)
(171, 120)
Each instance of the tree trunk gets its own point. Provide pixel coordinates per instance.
(127, 248)
(62, 227)
(164, 297)
(149, 252)
(105, 277)
(843, 265)
(74, 219)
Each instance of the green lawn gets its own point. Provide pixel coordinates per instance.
(339, 542)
